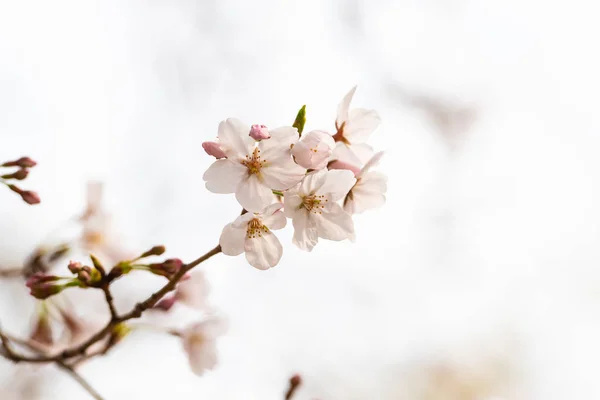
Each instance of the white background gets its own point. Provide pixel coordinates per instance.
(487, 248)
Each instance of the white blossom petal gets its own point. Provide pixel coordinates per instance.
(232, 240)
(373, 162)
(314, 150)
(193, 291)
(281, 141)
(291, 201)
(343, 107)
(312, 182)
(335, 224)
(234, 139)
(368, 193)
(360, 125)
(223, 176)
(199, 342)
(283, 174)
(273, 217)
(253, 195)
(305, 230)
(356, 154)
(338, 183)
(263, 251)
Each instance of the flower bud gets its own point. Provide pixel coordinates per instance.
(337, 164)
(75, 267)
(167, 268)
(213, 149)
(155, 251)
(313, 150)
(23, 162)
(259, 132)
(41, 286)
(28, 196)
(18, 175)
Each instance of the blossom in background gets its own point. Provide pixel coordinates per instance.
(313, 207)
(200, 343)
(370, 187)
(251, 233)
(354, 127)
(314, 150)
(252, 170)
(193, 291)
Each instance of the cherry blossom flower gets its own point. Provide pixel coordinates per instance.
(252, 170)
(193, 291)
(353, 129)
(314, 150)
(199, 342)
(369, 190)
(313, 207)
(251, 233)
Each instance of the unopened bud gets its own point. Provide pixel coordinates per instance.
(75, 267)
(259, 132)
(18, 175)
(23, 162)
(168, 268)
(119, 270)
(41, 286)
(98, 265)
(214, 149)
(155, 251)
(28, 196)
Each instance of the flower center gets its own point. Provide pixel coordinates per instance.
(256, 229)
(314, 203)
(253, 162)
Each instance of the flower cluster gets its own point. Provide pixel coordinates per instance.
(318, 180)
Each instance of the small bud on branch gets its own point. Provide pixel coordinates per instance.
(23, 162)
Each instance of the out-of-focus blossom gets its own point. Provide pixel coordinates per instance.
(213, 149)
(193, 291)
(200, 344)
(369, 190)
(314, 150)
(353, 129)
(252, 170)
(313, 207)
(251, 234)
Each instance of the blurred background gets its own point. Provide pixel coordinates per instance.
(478, 279)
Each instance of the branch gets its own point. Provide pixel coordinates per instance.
(69, 370)
(110, 302)
(11, 273)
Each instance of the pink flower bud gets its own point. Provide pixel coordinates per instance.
(23, 162)
(75, 266)
(167, 268)
(18, 175)
(313, 150)
(337, 164)
(28, 196)
(259, 132)
(213, 149)
(41, 286)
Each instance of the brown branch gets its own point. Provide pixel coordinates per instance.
(110, 302)
(136, 312)
(11, 273)
(69, 370)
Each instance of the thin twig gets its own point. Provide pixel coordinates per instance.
(110, 301)
(11, 273)
(69, 370)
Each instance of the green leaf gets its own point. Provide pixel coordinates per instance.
(300, 120)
